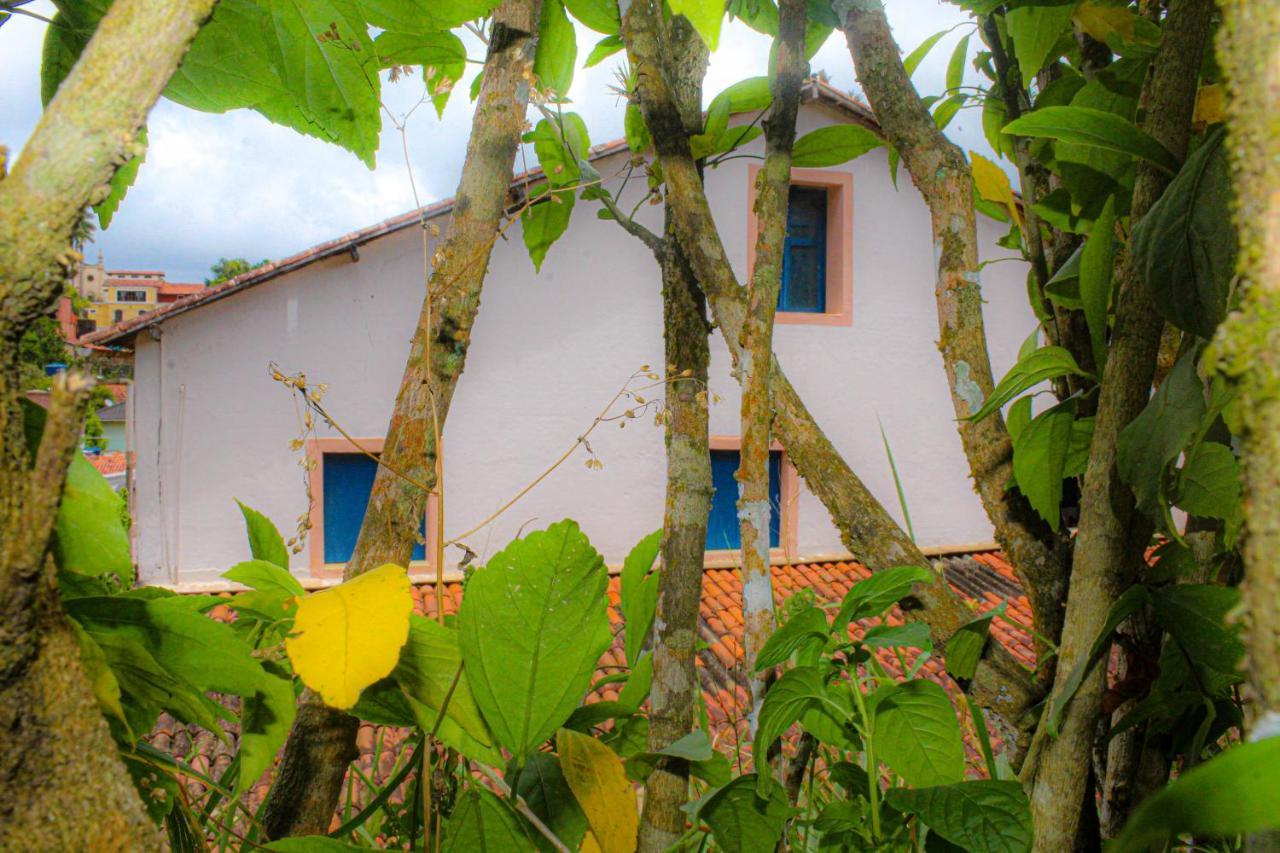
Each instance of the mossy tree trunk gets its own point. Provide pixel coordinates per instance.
(322, 742)
(62, 786)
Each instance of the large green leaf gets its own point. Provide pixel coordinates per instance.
(706, 17)
(442, 56)
(531, 627)
(546, 220)
(1096, 129)
(557, 49)
(63, 44)
(1159, 433)
(982, 816)
(1209, 482)
(430, 672)
(965, 647)
(1040, 453)
(599, 15)
(833, 145)
(1185, 247)
(90, 535)
(1041, 365)
(913, 59)
(482, 823)
(876, 594)
(1234, 793)
(415, 16)
(784, 704)
(147, 687)
(265, 718)
(639, 593)
(917, 734)
(1096, 261)
(542, 784)
(809, 624)
(743, 822)
(1035, 30)
(265, 543)
(1195, 615)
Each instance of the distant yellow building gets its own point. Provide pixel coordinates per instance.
(118, 295)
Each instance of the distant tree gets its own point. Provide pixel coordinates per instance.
(228, 268)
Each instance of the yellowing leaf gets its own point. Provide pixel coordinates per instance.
(599, 783)
(348, 637)
(1211, 105)
(1102, 21)
(993, 185)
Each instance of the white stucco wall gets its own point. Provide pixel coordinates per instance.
(548, 351)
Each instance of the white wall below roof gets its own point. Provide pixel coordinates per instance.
(547, 352)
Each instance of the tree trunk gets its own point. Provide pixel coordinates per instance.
(322, 741)
(62, 785)
(773, 191)
(940, 172)
(1112, 534)
(868, 531)
(1249, 346)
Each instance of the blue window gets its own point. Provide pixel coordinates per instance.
(348, 480)
(722, 525)
(804, 258)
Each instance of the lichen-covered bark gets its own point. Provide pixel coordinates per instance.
(772, 191)
(866, 528)
(1248, 348)
(310, 776)
(941, 174)
(1112, 534)
(62, 786)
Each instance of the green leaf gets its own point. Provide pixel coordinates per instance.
(639, 593)
(1093, 128)
(265, 542)
(442, 57)
(748, 95)
(335, 83)
(639, 682)
(429, 664)
(705, 16)
(638, 138)
(1019, 416)
(1035, 30)
(1209, 483)
(414, 16)
(605, 48)
(482, 822)
(1159, 433)
(784, 703)
(121, 180)
(808, 624)
(557, 49)
(1234, 793)
(385, 704)
(964, 649)
(955, 67)
(97, 670)
(1040, 453)
(1096, 260)
(1124, 607)
(982, 816)
(1195, 615)
(265, 718)
(542, 784)
(913, 635)
(599, 15)
(311, 844)
(1043, 364)
(917, 734)
(63, 43)
(546, 220)
(741, 821)
(831, 722)
(531, 627)
(90, 535)
(876, 594)
(833, 145)
(147, 687)
(1185, 247)
(265, 577)
(913, 60)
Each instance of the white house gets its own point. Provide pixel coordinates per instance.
(208, 424)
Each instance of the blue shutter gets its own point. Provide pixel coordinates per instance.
(723, 532)
(348, 480)
(804, 256)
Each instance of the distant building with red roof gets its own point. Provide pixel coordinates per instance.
(116, 296)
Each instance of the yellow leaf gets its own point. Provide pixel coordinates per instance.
(348, 637)
(599, 783)
(1211, 105)
(589, 844)
(1102, 21)
(993, 185)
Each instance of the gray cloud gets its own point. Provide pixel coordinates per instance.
(237, 185)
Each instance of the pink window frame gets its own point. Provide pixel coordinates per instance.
(789, 493)
(316, 449)
(839, 186)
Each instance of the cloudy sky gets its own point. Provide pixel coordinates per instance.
(236, 185)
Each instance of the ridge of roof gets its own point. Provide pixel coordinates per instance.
(815, 90)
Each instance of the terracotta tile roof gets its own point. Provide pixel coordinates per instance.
(175, 290)
(107, 464)
(815, 91)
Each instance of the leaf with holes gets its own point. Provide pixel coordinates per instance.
(348, 637)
